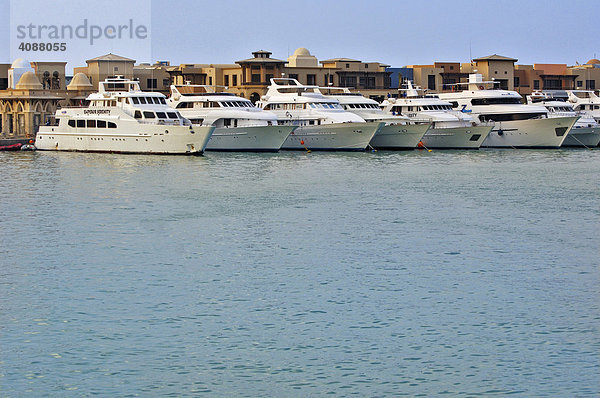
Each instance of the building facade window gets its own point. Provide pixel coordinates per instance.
(517, 81)
(268, 77)
(431, 82)
(348, 81)
(227, 80)
(311, 80)
(590, 84)
(293, 76)
(151, 83)
(536, 84)
(552, 84)
(579, 83)
(234, 78)
(255, 78)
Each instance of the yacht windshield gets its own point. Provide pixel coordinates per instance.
(324, 105)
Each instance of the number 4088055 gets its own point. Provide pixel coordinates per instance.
(43, 46)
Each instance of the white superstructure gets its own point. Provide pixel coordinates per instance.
(450, 129)
(239, 125)
(397, 133)
(322, 122)
(585, 132)
(122, 118)
(516, 125)
(585, 101)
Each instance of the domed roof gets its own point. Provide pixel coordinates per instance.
(29, 81)
(20, 63)
(302, 52)
(79, 82)
(593, 61)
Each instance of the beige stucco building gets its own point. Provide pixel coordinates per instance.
(27, 103)
(444, 76)
(109, 65)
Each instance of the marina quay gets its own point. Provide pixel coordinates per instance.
(264, 103)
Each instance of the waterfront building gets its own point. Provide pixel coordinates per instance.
(257, 73)
(153, 77)
(33, 93)
(4, 76)
(100, 68)
(223, 75)
(525, 79)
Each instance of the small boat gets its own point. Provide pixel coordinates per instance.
(13, 147)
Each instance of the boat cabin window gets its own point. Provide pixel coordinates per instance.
(156, 100)
(324, 105)
(101, 124)
(149, 115)
(91, 124)
(112, 125)
(142, 100)
(226, 122)
(185, 105)
(496, 101)
(71, 123)
(137, 114)
(135, 100)
(505, 117)
(80, 123)
(196, 121)
(161, 115)
(173, 115)
(454, 104)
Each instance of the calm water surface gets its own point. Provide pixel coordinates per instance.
(292, 274)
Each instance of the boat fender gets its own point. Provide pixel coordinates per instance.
(481, 87)
(500, 132)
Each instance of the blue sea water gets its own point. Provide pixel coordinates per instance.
(465, 273)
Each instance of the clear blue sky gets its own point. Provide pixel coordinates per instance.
(393, 32)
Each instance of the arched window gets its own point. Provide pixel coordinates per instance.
(55, 81)
(46, 81)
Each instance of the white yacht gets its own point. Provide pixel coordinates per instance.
(585, 132)
(322, 122)
(585, 101)
(516, 125)
(122, 118)
(399, 132)
(239, 125)
(450, 129)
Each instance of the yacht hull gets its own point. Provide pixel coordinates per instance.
(533, 133)
(582, 137)
(249, 139)
(470, 137)
(333, 137)
(398, 136)
(148, 139)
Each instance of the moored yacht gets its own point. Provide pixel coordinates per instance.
(239, 125)
(585, 132)
(450, 129)
(322, 122)
(516, 125)
(399, 132)
(585, 101)
(122, 118)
